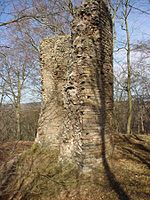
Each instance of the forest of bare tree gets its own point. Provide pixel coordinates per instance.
(24, 24)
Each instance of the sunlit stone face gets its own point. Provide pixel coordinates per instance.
(77, 81)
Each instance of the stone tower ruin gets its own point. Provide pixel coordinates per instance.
(77, 78)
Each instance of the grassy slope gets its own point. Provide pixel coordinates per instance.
(123, 176)
(9, 150)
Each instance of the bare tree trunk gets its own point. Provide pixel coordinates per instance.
(141, 119)
(114, 14)
(18, 109)
(18, 122)
(129, 69)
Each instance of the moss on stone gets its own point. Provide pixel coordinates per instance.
(37, 173)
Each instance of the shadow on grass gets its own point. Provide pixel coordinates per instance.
(113, 182)
(137, 145)
(142, 147)
(104, 78)
(137, 138)
(143, 160)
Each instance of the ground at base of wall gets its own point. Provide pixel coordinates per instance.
(36, 175)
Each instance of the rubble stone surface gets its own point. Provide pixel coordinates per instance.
(77, 78)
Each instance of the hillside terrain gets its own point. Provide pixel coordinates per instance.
(125, 175)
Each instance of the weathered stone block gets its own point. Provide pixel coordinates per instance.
(78, 87)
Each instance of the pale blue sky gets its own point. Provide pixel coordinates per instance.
(139, 26)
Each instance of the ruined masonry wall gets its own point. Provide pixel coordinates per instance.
(55, 56)
(82, 96)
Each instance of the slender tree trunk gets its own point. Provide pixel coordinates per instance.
(18, 122)
(141, 119)
(129, 70)
(115, 10)
(18, 109)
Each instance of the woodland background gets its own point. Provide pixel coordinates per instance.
(25, 23)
